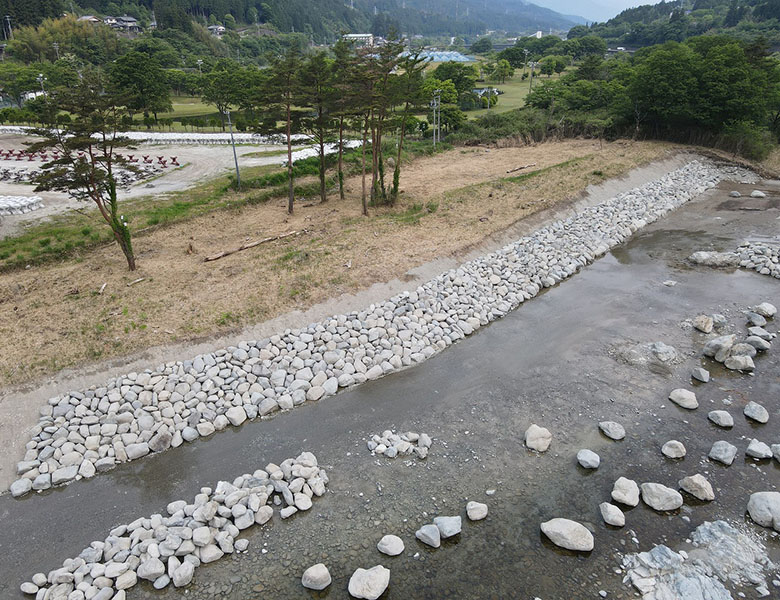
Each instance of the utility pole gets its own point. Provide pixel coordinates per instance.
(436, 105)
(235, 156)
(56, 46)
(531, 85)
(200, 62)
(7, 23)
(41, 79)
(525, 62)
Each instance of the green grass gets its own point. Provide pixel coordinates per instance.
(73, 232)
(413, 214)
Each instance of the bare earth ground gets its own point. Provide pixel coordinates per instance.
(198, 163)
(52, 316)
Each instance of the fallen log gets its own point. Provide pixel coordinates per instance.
(248, 245)
(521, 168)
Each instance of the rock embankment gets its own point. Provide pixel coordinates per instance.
(81, 433)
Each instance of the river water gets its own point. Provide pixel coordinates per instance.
(558, 361)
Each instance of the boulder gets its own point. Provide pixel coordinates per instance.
(721, 418)
(764, 509)
(659, 497)
(316, 577)
(723, 452)
(612, 515)
(391, 545)
(697, 486)
(756, 412)
(673, 449)
(477, 511)
(684, 398)
(369, 584)
(538, 438)
(568, 534)
(612, 430)
(625, 491)
(588, 459)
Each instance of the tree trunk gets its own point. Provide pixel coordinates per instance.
(341, 157)
(374, 163)
(365, 141)
(291, 192)
(397, 169)
(323, 192)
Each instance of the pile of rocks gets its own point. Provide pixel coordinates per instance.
(390, 444)
(83, 432)
(167, 549)
(739, 355)
(760, 257)
(720, 554)
(19, 205)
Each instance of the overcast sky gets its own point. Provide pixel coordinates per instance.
(597, 10)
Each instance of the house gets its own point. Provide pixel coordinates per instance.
(360, 39)
(216, 30)
(125, 23)
(90, 19)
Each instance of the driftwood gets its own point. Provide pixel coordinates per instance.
(139, 280)
(248, 245)
(521, 168)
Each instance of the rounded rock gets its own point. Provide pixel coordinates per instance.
(316, 577)
(476, 511)
(391, 545)
(568, 534)
(673, 449)
(369, 584)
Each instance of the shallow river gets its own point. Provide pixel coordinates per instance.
(556, 361)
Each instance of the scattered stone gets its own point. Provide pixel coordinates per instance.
(568, 534)
(369, 584)
(703, 323)
(448, 526)
(700, 374)
(757, 194)
(697, 486)
(735, 194)
(766, 310)
(721, 418)
(588, 459)
(758, 343)
(739, 363)
(612, 515)
(673, 449)
(391, 444)
(477, 511)
(758, 449)
(429, 534)
(316, 577)
(612, 430)
(538, 438)
(391, 545)
(684, 398)
(28, 588)
(626, 491)
(754, 319)
(719, 347)
(764, 509)
(723, 452)
(661, 498)
(756, 412)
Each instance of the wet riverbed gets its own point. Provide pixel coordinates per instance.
(557, 361)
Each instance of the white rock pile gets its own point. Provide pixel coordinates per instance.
(391, 444)
(19, 205)
(165, 549)
(738, 355)
(761, 257)
(84, 432)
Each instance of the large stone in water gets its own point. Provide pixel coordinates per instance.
(625, 491)
(391, 545)
(316, 577)
(756, 412)
(568, 534)
(697, 486)
(723, 452)
(369, 584)
(659, 497)
(684, 398)
(448, 526)
(764, 509)
(429, 534)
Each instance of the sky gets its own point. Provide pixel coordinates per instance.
(598, 10)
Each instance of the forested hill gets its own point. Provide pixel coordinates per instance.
(679, 20)
(323, 19)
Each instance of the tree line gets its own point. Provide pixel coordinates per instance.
(325, 96)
